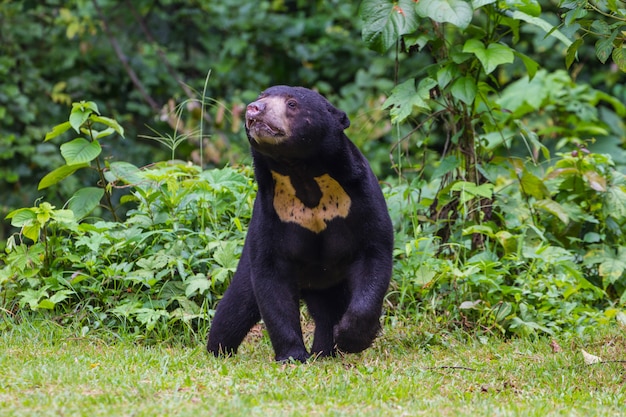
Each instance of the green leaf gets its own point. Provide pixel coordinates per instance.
(402, 100)
(22, 216)
(476, 4)
(596, 181)
(542, 24)
(31, 231)
(85, 200)
(57, 130)
(469, 190)
(85, 106)
(604, 48)
(446, 74)
(77, 118)
(464, 89)
(612, 269)
(447, 164)
(80, 151)
(600, 27)
(533, 186)
(126, 172)
(553, 208)
(531, 65)
(572, 52)
(531, 7)
(198, 285)
(59, 174)
(457, 12)
(384, 21)
(490, 57)
(619, 57)
(113, 124)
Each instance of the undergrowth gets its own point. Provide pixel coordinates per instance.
(551, 258)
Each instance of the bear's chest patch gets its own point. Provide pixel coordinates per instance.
(334, 202)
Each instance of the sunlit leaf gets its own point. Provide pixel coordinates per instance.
(113, 124)
(22, 216)
(58, 130)
(532, 185)
(530, 7)
(457, 12)
(542, 24)
(80, 151)
(59, 174)
(495, 54)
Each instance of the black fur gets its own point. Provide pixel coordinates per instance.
(342, 272)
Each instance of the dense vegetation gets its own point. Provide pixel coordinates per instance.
(497, 127)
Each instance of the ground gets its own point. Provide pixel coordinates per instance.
(50, 371)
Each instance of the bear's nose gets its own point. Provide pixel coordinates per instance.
(255, 108)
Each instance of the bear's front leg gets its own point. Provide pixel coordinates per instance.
(278, 298)
(368, 281)
(236, 312)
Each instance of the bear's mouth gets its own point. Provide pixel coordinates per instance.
(260, 129)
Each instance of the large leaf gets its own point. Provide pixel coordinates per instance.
(77, 118)
(457, 12)
(553, 208)
(113, 124)
(85, 200)
(403, 99)
(464, 89)
(532, 185)
(604, 47)
(542, 24)
(80, 151)
(59, 174)
(490, 57)
(58, 130)
(384, 21)
(126, 172)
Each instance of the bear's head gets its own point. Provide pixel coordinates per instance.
(293, 122)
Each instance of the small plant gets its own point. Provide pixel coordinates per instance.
(83, 152)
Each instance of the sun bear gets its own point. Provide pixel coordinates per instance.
(320, 231)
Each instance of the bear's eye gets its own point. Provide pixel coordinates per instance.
(292, 104)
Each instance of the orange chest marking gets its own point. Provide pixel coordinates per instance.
(335, 202)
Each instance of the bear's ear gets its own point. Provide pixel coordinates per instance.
(340, 116)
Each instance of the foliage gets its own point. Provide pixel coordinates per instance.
(507, 194)
(150, 270)
(603, 20)
(527, 220)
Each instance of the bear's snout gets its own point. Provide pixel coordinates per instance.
(254, 109)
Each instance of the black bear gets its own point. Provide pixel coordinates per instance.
(320, 231)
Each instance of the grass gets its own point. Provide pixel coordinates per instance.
(46, 370)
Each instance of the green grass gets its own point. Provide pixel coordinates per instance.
(46, 370)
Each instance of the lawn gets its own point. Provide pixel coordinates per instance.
(46, 370)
